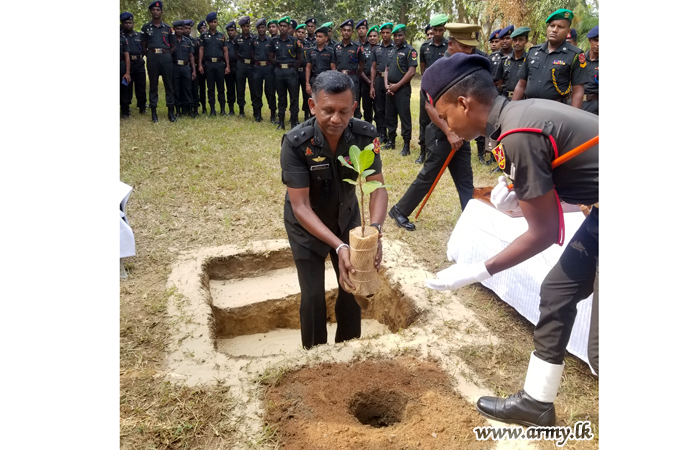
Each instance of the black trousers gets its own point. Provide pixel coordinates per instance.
(302, 85)
(380, 104)
(264, 75)
(182, 81)
(287, 82)
(423, 120)
(195, 88)
(244, 72)
(230, 81)
(438, 149)
(366, 100)
(122, 88)
(356, 92)
(138, 84)
(201, 97)
(399, 106)
(160, 65)
(312, 312)
(571, 280)
(480, 145)
(214, 73)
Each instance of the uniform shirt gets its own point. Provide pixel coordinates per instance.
(311, 41)
(320, 60)
(244, 45)
(133, 40)
(160, 36)
(213, 44)
(183, 50)
(429, 52)
(380, 55)
(262, 48)
(507, 70)
(195, 47)
(564, 62)
(367, 50)
(308, 162)
(495, 58)
(348, 57)
(285, 50)
(232, 57)
(123, 47)
(399, 60)
(528, 156)
(591, 69)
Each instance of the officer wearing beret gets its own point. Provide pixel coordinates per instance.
(158, 44)
(301, 71)
(286, 56)
(124, 69)
(273, 28)
(331, 42)
(214, 63)
(194, 84)
(428, 32)
(495, 45)
(401, 66)
(350, 59)
(244, 67)
(506, 77)
(361, 28)
(366, 74)
(183, 69)
(320, 208)
(311, 29)
(230, 77)
(319, 59)
(572, 37)
(138, 66)
(378, 90)
(554, 70)
(526, 136)
(430, 51)
(263, 73)
(201, 95)
(590, 92)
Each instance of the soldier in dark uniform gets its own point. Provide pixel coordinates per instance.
(214, 63)
(401, 66)
(200, 98)
(263, 72)
(158, 40)
(350, 59)
(495, 46)
(331, 42)
(301, 71)
(361, 29)
(183, 69)
(572, 37)
(430, 51)
(245, 64)
(429, 32)
(286, 56)
(378, 90)
(230, 77)
(554, 70)
(526, 136)
(311, 30)
(366, 74)
(506, 77)
(124, 69)
(590, 93)
(440, 143)
(506, 41)
(320, 208)
(189, 23)
(138, 66)
(273, 28)
(319, 59)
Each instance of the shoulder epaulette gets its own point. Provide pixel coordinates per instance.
(298, 136)
(361, 127)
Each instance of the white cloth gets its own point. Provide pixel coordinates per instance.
(482, 231)
(127, 244)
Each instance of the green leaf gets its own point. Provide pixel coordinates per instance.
(350, 181)
(367, 173)
(366, 160)
(370, 186)
(345, 163)
(355, 158)
(370, 146)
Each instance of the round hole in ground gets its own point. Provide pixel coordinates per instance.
(379, 408)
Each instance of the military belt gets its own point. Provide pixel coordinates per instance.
(247, 61)
(349, 72)
(381, 74)
(155, 50)
(302, 69)
(285, 66)
(510, 94)
(181, 63)
(590, 97)
(215, 59)
(261, 63)
(136, 56)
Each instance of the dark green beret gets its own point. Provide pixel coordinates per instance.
(561, 14)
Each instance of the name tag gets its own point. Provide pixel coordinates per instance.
(320, 167)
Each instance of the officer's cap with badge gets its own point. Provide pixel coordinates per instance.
(428, 28)
(374, 28)
(179, 23)
(285, 19)
(310, 20)
(573, 34)
(322, 30)
(244, 21)
(446, 72)
(300, 26)
(561, 14)
(439, 20)
(123, 17)
(362, 23)
(261, 22)
(202, 23)
(328, 25)
(389, 25)
(593, 34)
(155, 4)
(349, 22)
(398, 27)
(494, 35)
(520, 31)
(293, 24)
(507, 31)
(189, 23)
(211, 17)
(464, 33)
(231, 24)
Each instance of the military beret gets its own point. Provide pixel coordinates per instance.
(284, 19)
(157, 3)
(272, 22)
(348, 22)
(189, 23)
(506, 31)
(494, 35)
(244, 21)
(293, 23)
(201, 24)
(573, 34)
(520, 31)
(439, 19)
(399, 27)
(323, 30)
(300, 26)
(387, 24)
(328, 24)
(374, 28)
(211, 17)
(446, 72)
(561, 14)
(231, 24)
(126, 16)
(362, 23)
(464, 33)
(178, 23)
(311, 19)
(428, 28)
(262, 22)
(593, 33)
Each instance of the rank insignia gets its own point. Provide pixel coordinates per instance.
(319, 159)
(566, 15)
(582, 59)
(558, 62)
(500, 156)
(376, 145)
(309, 152)
(348, 160)
(414, 54)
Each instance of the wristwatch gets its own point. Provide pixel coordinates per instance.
(377, 226)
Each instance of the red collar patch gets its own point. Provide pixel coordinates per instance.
(500, 156)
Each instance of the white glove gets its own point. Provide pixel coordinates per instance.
(458, 275)
(502, 198)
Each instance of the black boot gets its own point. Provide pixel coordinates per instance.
(223, 108)
(293, 121)
(142, 110)
(125, 111)
(273, 117)
(280, 125)
(204, 108)
(421, 158)
(242, 112)
(178, 111)
(154, 116)
(212, 110)
(382, 138)
(195, 110)
(190, 112)
(400, 219)
(230, 110)
(257, 115)
(406, 150)
(518, 408)
(389, 144)
(171, 114)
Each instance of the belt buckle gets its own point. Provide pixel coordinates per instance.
(510, 94)
(263, 63)
(180, 63)
(158, 50)
(214, 59)
(246, 61)
(284, 66)
(344, 71)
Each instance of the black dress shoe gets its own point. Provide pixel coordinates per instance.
(482, 160)
(400, 219)
(421, 158)
(154, 115)
(273, 118)
(142, 110)
(405, 151)
(171, 114)
(281, 125)
(518, 408)
(242, 113)
(258, 118)
(382, 138)
(389, 145)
